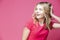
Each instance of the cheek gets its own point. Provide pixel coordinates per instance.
(41, 12)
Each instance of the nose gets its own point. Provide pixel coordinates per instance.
(37, 12)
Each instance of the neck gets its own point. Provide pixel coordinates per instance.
(41, 21)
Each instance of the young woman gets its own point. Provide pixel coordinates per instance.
(38, 28)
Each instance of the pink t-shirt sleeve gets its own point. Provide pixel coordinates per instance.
(29, 25)
(51, 24)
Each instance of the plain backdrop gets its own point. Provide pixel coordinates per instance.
(15, 13)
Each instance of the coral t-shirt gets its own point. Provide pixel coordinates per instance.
(37, 32)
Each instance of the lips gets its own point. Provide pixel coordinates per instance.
(38, 14)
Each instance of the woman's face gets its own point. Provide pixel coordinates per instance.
(39, 11)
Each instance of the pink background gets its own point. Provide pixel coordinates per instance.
(15, 13)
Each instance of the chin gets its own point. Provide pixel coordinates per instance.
(39, 17)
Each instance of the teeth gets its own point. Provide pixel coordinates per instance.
(38, 14)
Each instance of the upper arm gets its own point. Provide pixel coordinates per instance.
(56, 25)
(26, 32)
(29, 25)
(27, 29)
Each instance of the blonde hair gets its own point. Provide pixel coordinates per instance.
(47, 9)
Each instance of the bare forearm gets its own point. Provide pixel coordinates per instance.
(25, 33)
(24, 37)
(56, 17)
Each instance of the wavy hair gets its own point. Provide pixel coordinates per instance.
(47, 9)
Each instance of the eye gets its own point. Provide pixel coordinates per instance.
(35, 8)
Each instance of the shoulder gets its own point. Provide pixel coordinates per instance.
(29, 24)
(51, 24)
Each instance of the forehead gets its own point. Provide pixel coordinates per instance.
(39, 6)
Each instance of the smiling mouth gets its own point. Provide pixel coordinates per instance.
(38, 14)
